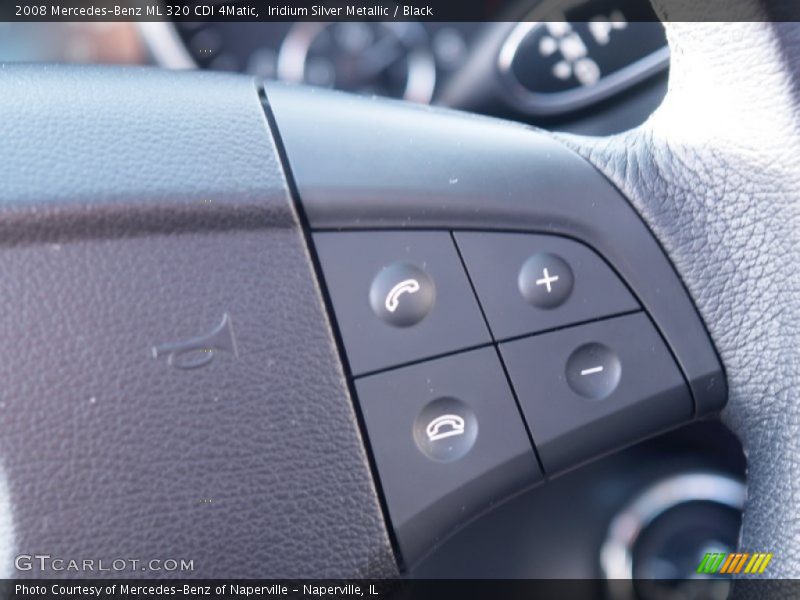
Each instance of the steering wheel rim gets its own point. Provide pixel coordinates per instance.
(712, 172)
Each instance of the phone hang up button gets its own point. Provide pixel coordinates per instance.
(445, 430)
(448, 442)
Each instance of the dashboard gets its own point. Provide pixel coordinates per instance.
(601, 68)
(405, 59)
(606, 69)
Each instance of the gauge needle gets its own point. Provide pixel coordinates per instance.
(379, 56)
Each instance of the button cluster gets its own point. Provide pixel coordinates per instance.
(442, 330)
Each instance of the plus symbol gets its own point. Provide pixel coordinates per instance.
(547, 280)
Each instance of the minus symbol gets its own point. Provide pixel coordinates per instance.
(592, 371)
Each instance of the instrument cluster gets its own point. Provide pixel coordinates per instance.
(407, 59)
(590, 66)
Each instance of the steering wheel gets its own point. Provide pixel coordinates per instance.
(185, 379)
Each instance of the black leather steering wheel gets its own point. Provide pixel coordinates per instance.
(171, 373)
(714, 175)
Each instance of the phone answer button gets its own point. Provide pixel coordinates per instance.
(399, 297)
(402, 294)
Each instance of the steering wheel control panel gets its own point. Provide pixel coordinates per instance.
(474, 352)
(504, 313)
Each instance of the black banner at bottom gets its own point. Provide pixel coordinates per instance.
(716, 588)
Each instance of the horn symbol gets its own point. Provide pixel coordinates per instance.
(199, 351)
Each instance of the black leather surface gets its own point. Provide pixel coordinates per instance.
(138, 207)
(715, 173)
